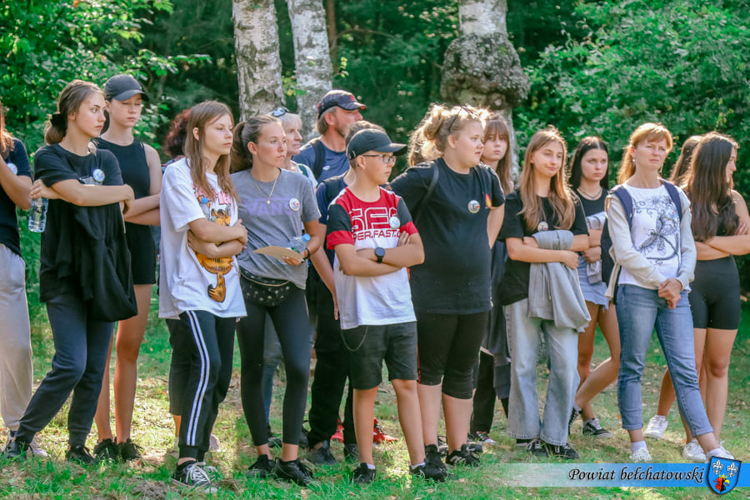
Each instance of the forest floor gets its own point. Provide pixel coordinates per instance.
(153, 429)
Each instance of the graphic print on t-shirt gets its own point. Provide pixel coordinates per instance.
(659, 240)
(220, 210)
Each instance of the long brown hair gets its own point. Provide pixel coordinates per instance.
(560, 196)
(497, 126)
(245, 133)
(6, 140)
(431, 136)
(708, 187)
(648, 132)
(70, 100)
(202, 115)
(682, 164)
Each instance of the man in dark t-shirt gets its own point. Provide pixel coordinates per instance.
(326, 155)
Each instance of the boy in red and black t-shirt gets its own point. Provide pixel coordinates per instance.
(375, 241)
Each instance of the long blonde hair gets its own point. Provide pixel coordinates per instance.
(202, 115)
(648, 132)
(560, 196)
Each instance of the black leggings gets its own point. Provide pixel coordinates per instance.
(293, 327)
(715, 294)
(448, 348)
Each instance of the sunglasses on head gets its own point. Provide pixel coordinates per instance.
(280, 111)
(458, 113)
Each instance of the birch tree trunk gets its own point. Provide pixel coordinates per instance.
(256, 39)
(482, 67)
(312, 59)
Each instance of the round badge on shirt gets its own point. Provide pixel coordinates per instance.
(98, 175)
(394, 222)
(473, 206)
(294, 204)
(542, 226)
(13, 168)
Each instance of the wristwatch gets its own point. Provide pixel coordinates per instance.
(379, 253)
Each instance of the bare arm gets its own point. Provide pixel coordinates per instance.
(707, 252)
(212, 250)
(216, 233)
(523, 251)
(580, 243)
(410, 254)
(148, 203)
(319, 260)
(313, 229)
(17, 187)
(150, 218)
(83, 195)
(494, 223)
(595, 238)
(736, 244)
(356, 265)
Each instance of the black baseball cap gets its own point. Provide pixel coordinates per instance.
(122, 88)
(340, 98)
(371, 139)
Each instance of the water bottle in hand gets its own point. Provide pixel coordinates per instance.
(299, 243)
(38, 215)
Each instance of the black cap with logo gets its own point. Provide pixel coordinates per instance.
(372, 140)
(340, 98)
(122, 88)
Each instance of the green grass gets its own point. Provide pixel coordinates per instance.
(153, 429)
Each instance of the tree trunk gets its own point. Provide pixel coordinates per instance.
(482, 67)
(256, 38)
(312, 59)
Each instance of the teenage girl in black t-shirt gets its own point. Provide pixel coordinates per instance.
(589, 170)
(542, 202)
(68, 173)
(451, 290)
(141, 170)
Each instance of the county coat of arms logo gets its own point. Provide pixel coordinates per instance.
(723, 474)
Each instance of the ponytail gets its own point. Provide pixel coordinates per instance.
(245, 133)
(70, 100)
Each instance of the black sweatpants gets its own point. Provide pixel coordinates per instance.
(331, 374)
(295, 333)
(81, 349)
(207, 341)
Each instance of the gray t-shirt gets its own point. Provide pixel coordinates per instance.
(275, 223)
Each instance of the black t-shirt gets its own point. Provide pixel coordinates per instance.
(54, 164)
(455, 276)
(8, 221)
(593, 207)
(515, 284)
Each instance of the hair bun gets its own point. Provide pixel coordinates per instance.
(58, 120)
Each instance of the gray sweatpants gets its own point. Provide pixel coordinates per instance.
(16, 372)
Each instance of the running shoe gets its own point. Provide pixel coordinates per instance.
(262, 468)
(193, 476)
(464, 456)
(378, 436)
(293, 471)
(81, 456)
(641, 455)
(321, 455)
(363, 474)
(656, 427)
(692, 451)
(565, 451)
(106, 451)
(593, 428)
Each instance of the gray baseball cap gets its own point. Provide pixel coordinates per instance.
(122, 88)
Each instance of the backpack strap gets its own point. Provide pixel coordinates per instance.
(320, 157)
(428, 194)
(626, 200)
(674, 193)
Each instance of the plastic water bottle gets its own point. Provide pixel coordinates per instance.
(38, 215)
(206, 209)
(299, 243)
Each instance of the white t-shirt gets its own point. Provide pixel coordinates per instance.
(189, 281)
(370, 300)
(655, 231)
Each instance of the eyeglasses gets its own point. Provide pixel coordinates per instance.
(453, 120)
(280, 111)
(387, 159)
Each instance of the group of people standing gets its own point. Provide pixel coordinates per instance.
(450, 273)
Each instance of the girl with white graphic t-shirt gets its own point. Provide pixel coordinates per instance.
(654, 247)
(199, 283)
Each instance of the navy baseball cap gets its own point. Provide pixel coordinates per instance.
(371, 139)
(340, 98)
(122, 88)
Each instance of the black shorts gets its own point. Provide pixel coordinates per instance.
(369, 345)
(715, 294)
(142, 253)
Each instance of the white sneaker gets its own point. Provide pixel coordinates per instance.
(656, 427)
(692, 451)
(641, 455)
(721, 453)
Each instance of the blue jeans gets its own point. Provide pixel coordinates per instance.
(524, 341)
(638, 311)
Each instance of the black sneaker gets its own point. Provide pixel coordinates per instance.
(363, 474)
(293, 471)
(81, 456)
(129, 451)
(442, 446)
(351, 452)
(274, 441)
(433, 457)
(262, 468)
(536, 447)
(322, 455)
(565, 451)
(193, 476)
(106, 451)
(464, 456)
(574, 414)
(429, 471)
(15, 450)
(475, 448)
(594, 428)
